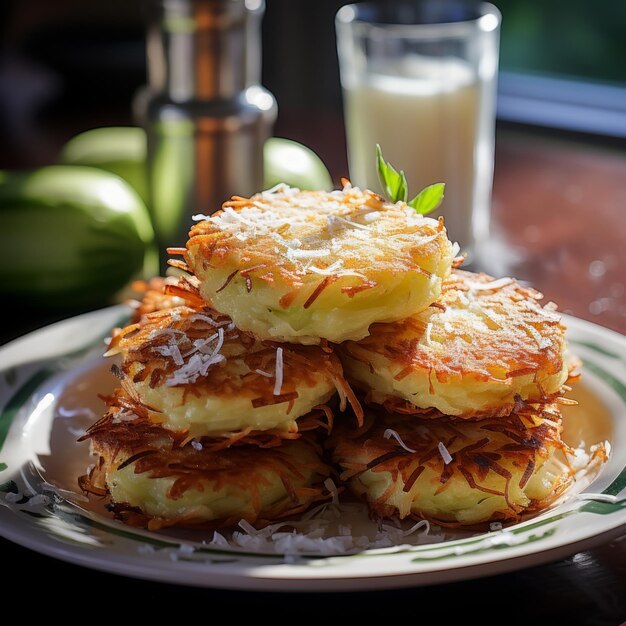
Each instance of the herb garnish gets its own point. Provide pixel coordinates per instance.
(396, 188)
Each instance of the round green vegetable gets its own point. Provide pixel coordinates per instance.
(122, 150)
(290, 162)
(70, 236)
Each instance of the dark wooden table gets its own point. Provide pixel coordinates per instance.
(559, 222)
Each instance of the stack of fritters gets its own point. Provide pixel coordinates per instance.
(199, 429)
(463, 422)
(231, 377)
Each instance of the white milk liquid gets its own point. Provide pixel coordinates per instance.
(425, 119)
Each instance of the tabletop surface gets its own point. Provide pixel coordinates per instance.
(559, 223)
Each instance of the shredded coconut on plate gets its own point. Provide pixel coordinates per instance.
(278, 385)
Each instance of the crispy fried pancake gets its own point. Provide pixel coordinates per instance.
(153, 480)
(201, 375)
(453, 471)
(483, 344)
(302, 266)
(160, 293)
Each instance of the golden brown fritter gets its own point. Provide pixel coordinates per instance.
(302, 266)
(160, 293)
(455, 472)
(203, 376)
(481, 346)
(155, 480)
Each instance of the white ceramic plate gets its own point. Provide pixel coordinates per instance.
(48, 385)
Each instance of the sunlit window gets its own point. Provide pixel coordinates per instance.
(562, 64)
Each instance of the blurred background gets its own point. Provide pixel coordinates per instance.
(71, 65)
(559, 197)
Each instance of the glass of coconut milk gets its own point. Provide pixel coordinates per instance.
(419, 79)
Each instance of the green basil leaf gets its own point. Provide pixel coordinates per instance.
(396, 188)
(393, 182)
(428, 199)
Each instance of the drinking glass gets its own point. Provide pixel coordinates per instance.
(419, 79)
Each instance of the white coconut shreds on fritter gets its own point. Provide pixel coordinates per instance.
(156, 479)
(482, 346)
(301, 266)
(456, 472)
(199, 374)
